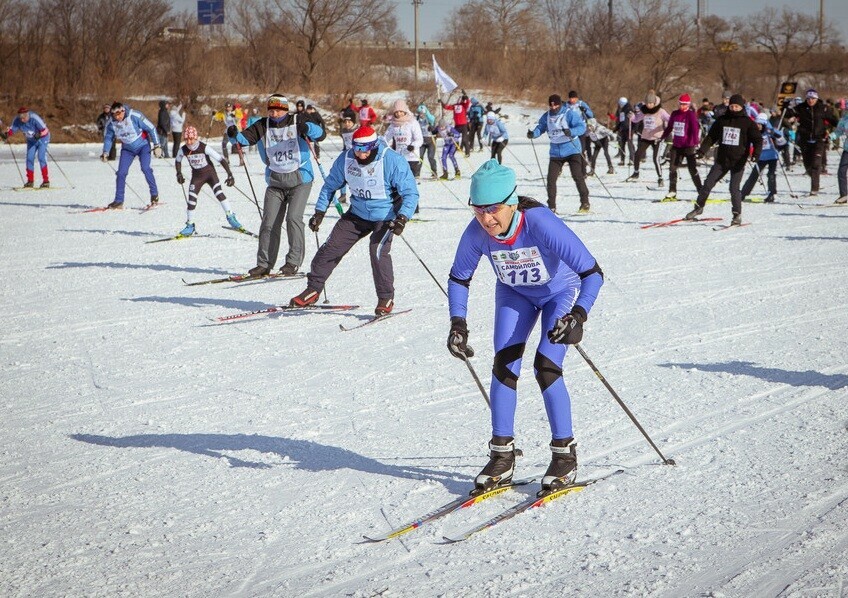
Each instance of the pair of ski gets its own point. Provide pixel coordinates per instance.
(244, 278)
(146, 208)
(241, 230)
(309, 308)
(677, 221)
(531, 502)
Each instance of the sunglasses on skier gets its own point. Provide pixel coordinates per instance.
(364, 147)
(492, 207)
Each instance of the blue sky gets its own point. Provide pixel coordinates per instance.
(432, 13)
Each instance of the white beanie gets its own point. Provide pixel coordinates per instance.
(622, 101)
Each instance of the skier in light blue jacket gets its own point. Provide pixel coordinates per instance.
(564, 127)
(136, 133)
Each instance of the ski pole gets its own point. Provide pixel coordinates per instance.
(539, 164)
(335, 200)
(786, 176)
(127, 185)
(464, 358)
(249, 180)
(56, 163)
(318, 245)
(594, 174)
(512, 153)
(622, 405)
(15, 158)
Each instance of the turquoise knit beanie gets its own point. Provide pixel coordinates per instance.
(493, 183)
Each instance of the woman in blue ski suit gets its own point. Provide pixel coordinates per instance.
(136, 133)
(37, 139)
(543, 269)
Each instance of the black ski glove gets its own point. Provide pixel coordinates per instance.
(530, 135)
(302, 127)
(699, 154)
(232, 131)
(315, 221)
(180, 178)
(397, 225)
(568, 330)
(410, 148)
(458, 339)
(230, 180)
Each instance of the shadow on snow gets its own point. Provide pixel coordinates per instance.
(747, 368)
(300, 454)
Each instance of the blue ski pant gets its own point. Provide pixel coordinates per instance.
(127, 156)
(37, 147)
(515, 317)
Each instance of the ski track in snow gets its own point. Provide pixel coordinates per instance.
(147, 451)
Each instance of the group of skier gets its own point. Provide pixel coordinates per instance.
(543, 270)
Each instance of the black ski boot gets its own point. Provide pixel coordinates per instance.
(562, 471)
(501, 465)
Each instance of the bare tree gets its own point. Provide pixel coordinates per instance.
(320, 26)
(720, 39)
(790, 39)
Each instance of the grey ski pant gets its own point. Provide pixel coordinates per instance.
(345, 234)
(287, 202)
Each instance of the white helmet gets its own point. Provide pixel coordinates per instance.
(762, 119)
(622, 101)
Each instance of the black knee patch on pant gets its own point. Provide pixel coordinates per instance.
(547, 372)
(502, 359)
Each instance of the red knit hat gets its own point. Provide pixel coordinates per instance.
(23, 110)
(685, 99)
(364, 134)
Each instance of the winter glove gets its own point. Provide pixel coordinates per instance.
(699, 155)
(398, 224)
(180, 178)
(157, 151)
(315, 221)
(458, 339)
(104, 157)
(232, 131)
(530, 135)
(230, 180)
(568, 330)
(302, 127)
(410, 148)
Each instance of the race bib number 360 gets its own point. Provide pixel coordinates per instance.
(520, 267)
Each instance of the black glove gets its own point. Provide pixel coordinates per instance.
(568, 330)
(302, 127)
(410, 148)
(755, 159)
(230, 181)
(530, 135)
(699, 155)
(458, 339)
(315, 221)
(180, 178)
(232, 131)
(398, 224)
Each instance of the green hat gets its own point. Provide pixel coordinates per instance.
(493, 183)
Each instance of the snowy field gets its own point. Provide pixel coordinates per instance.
(148, 451)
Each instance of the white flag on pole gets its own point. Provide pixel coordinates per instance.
(442, 79)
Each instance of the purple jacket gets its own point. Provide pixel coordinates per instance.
(684, 128)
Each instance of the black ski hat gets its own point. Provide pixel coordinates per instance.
(573, 94)
(555, 99)
(737, 99)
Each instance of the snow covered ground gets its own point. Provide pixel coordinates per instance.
(148, 451)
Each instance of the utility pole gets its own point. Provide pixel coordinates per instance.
(416, 4)
(821, 23)
(698, 24)
(609, 18)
